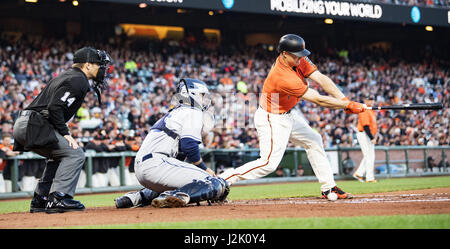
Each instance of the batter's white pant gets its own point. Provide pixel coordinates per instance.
(274, 132)
(367, 165)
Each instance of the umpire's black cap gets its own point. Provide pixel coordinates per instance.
(86, 54)
(293, 44)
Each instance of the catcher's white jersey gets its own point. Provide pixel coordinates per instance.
(162, 171)
(165, 135)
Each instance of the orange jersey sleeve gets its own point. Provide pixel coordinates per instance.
(306, 67)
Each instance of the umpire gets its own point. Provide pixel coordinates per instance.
(41, 128)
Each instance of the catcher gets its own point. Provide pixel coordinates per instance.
(159, 163)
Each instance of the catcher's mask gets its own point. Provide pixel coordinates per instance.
(193, 92)
(100, 57)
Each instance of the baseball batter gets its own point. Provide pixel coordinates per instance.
(366, 136)
(276, 123)
(159, 164)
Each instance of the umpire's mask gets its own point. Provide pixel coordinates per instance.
(101, 57)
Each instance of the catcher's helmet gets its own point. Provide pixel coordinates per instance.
(293, 44)
(193, 92)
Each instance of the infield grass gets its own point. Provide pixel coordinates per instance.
(435, 221)
(300, 189)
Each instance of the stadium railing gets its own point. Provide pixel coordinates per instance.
(293, 157)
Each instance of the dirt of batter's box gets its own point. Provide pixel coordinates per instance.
(428, 201)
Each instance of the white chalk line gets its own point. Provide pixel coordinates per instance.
(403, 198)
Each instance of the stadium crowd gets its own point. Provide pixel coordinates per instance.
(144, 75)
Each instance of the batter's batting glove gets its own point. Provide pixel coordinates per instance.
(347, 111)
(355, 107)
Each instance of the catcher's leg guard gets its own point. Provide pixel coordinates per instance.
(139, 198)
(210, 189)
(147, 196)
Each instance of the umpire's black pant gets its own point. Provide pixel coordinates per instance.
(63, 165)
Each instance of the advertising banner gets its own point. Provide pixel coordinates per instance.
(350, 10)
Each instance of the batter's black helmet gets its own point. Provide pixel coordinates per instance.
(293, 44)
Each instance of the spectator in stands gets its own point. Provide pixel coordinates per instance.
(431, 162)
(300, 170)
(6, 165)
(7, 147)
(99, 164)
(279, 172)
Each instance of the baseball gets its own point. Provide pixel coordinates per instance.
(332, 196)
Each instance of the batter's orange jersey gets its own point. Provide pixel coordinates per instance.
(367, 117)
(284, 86)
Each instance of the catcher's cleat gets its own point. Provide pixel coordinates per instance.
(357, 177)
(123, 202)
(171, 200)
(339, 192)
(372, 181)
(38, 203)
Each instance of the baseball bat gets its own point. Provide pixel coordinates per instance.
(421, 106)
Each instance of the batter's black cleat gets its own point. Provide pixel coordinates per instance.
(38, 203)
(339, 192)
(123, 202)
(59, 203)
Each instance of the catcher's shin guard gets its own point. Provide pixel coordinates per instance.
(147, 196)
(211, 189)
(139, 198)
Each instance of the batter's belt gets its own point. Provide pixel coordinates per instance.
(283, 113)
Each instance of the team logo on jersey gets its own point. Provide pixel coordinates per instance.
(228, 3)
(309, 61)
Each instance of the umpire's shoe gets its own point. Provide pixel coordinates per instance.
(38, 203)
(59, 203)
